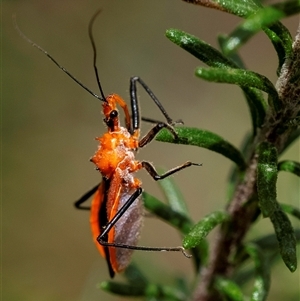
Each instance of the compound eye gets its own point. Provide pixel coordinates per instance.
(113, 114)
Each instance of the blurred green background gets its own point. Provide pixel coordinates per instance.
(49, 126)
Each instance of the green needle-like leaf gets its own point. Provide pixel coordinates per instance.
(213, 58)
(267, 178)
(291, 139)
(242, 78)
(173, 195)
(285, 37)
(244, 8)
(289, 8)
(135, 276)
(278, 34)
(290, 166)
(286, 238)
(269, 245)
(229, 289)
(281, 40)
(161, 292)
(177, 220)
(205, 139)
(165, 212)
(262, 271)
(233, 56)
(252, 25)
(254, 97)
(239, 8)
(202, 228)
(201, 50)
(257, 106)
(290, 210)
(123, 289)
(235, 175)
(164, 292)
(266, 19)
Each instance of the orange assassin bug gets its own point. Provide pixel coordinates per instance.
(116, 210)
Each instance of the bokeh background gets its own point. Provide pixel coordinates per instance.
(49, 125)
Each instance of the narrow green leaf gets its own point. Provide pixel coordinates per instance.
(122, 289)
(281, 40)
(198, 48)
(152, 291)
(278, 34)
(182, 284)
(288, 7)
(262, 269)
(135, 276)
(243, 276)
(267, 178)
(214, 58)
(252, 25)
(205, 139)
(267, 242)
(173, 195)
(270, 243)
(164, 292)
(292, 210)
(239, 8)
(235, 175)
(291, 139)
(257, 106)
(283, 35)
(266, 19)
(202, 228)
(177, 220)
(290, 166)
(229, 289)
(233, 56)
(161, 292)
(242, 78)
(165, 212)
(286, 238)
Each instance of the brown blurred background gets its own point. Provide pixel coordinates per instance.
(49, 125)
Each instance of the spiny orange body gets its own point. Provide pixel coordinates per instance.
(116, 147)
(116, 162)
(115, 151)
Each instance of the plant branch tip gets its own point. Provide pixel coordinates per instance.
(179, 121)
(187, 255)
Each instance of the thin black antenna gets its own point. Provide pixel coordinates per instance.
(95, 51)
(53, 60)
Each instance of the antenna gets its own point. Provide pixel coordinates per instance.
(102, 98)
(95, 51)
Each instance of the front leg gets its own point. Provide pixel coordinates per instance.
(153, 173)
(154, 131)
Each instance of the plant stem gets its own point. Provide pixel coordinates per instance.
(244, 207)
(230, 235)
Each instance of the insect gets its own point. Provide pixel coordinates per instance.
(116, 211)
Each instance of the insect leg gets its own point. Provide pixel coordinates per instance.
(85, 197)
(118, 215)
(135, 105)
(153, 173)
(154, 131)
(102, 238)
